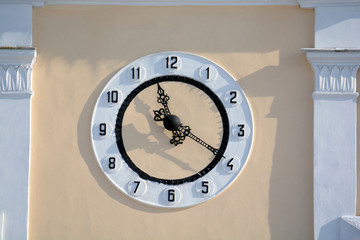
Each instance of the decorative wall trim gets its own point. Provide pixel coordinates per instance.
(327, 3)
(175, 2)
(335, 71)
(40, 3)
(35, 3)
(16, 67)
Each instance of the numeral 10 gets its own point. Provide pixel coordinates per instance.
(112, 96)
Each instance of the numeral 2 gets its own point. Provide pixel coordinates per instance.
(233, 98)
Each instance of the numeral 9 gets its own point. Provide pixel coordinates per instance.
(102, 129)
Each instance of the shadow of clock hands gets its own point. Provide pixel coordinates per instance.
(151, 146)
(152, 140)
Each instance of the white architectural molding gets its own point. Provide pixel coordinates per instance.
(16, 70)
(335, 71)
(335, 125)
(327, 3)
(35, 3)
(38, 3)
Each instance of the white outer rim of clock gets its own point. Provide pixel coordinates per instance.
(222, 84)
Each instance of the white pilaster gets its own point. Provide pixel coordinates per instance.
(334, 139)
(16, 64)
(15, 93)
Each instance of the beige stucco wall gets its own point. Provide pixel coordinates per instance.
(79, 50)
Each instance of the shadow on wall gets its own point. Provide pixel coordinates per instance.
(291, 180)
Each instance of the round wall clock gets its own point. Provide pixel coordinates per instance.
(172, 130)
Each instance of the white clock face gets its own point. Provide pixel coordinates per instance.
(172, 130)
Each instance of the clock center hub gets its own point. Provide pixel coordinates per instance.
(171, 122)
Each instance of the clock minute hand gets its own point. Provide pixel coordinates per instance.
(185, 131)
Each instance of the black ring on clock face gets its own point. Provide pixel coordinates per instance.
(172, 78)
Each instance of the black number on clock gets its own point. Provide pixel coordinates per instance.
(112, 162)
(171, 62)
(112, 96)
(207, 73)
(233, 98)
(241, 132)
(102, 129)
(205, 186)
(135, 73)
(137, 186)
(171, 195)
(229, 164)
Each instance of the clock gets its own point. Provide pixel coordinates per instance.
(172, 130)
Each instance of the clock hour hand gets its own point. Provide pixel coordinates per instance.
(185, 131)
(163, 98)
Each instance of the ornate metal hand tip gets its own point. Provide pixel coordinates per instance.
(162, 97)
(159, 115)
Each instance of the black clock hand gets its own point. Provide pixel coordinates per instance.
(172, 123)
(184, 131)
(163, 98)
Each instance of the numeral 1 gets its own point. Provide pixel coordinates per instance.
(208, 73)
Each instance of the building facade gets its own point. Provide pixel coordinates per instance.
(296, 61)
